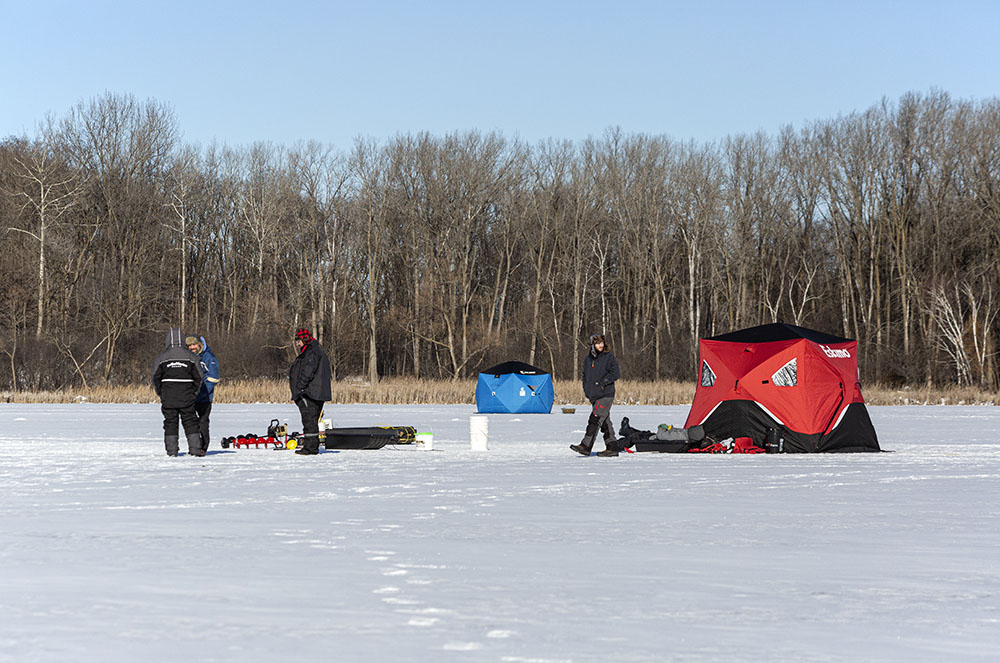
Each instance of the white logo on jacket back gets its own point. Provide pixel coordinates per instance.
(177, 364)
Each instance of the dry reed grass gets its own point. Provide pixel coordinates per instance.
(399, 391)
(929, 395)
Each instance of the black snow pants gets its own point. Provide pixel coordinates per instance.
(203, 410)
(599, 421)
(601, 415)
(187, 415)
(310, 410)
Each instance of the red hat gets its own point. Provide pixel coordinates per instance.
(304, 335)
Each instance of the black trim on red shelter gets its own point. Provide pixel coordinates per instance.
(778, 331)
(736, 418)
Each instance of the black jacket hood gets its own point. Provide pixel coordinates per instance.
(175, 338)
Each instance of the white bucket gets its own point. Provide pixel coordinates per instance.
(479, 432)
(425, 441)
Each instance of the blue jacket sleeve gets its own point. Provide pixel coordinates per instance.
(210, 367)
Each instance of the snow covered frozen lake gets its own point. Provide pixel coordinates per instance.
(111, 551)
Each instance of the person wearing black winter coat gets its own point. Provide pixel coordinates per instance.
(600, 371)
(177, 378)
(309, 379)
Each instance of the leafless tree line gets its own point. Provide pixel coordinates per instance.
(434, 256)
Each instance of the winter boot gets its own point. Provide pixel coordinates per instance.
(194, 445)
(170, 442)
(310, 445)
(587, 443)
(610, 444)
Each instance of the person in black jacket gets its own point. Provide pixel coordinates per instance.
(309, 379)
(176, 379)
(600, 370)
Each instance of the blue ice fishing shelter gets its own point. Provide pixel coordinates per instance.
(514, 387)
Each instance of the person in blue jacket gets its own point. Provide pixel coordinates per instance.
(210, 370)
(600, 371)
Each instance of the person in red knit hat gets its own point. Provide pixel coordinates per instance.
(309, 379)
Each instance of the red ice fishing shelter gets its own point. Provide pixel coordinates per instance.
(802, 383)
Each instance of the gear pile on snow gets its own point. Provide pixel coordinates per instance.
(278, 437)
(670, 439)
(374, 437)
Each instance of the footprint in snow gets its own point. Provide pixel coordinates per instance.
(392, 600)
(423, 621)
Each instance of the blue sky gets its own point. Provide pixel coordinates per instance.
(239, 72)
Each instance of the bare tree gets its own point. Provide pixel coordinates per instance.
(371, 171)
(695, 205)
(181, 182)
(549, 206)
(430, 252)
(124, 146)
(951, 328)
(320, 177)
(48, 188)
(261, 214)
(464, 185)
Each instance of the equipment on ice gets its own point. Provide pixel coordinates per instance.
(374, 437)
(278, 437)
(671, 439)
